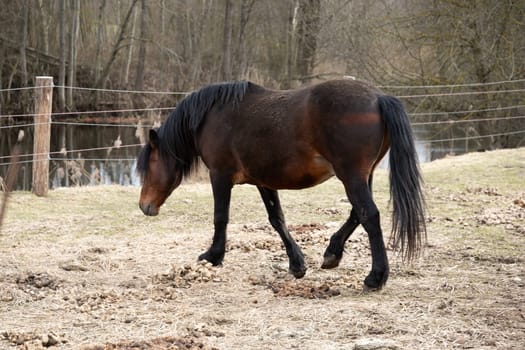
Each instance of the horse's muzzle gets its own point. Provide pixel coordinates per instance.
(149, 209)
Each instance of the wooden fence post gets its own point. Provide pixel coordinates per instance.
(42, 138)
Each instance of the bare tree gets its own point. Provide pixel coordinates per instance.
(130, 48)
(72, 63)
(227, 41)
(241, 51)
(185, 44)
(62, 51)
(117, 46)
(139, 77)
(100, 30)
(308, 20)
(290, 43)
(23, 40)
(44, 16)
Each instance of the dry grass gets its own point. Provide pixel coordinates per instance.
(83, 268)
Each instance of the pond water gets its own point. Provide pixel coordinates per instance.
(79, 155)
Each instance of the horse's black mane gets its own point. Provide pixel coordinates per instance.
(177, 136)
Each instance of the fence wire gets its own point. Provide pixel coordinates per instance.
(160, 109)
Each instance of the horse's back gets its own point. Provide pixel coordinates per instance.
(338, 97)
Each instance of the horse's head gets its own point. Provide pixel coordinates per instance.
(159, 177)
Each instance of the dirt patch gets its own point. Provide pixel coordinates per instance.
(165, 343)
(31, 340)
(40, 280)
(43, 341)
(304, 290)
(188, 274)
(509, 215)
(27, 287)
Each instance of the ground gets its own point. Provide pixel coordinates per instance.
(83, 268)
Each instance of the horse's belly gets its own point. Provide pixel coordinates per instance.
(290, 175)
(316, 171)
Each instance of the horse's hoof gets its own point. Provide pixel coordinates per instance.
(213, 259)
(376, 280)
(298, 273)
(330, 262)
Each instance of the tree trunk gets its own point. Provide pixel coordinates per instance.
(242, 54)
(99, 38)
(2, 100)
(100, 32)
(290, 44)
(162, 18)
(139, 78)
(62, 68)
(130, 48)
(307, 32)
(44, 32)
(138, 101)
(227, 42)
(23, 41)
(196, 45)
(73, 35)
(185, 25)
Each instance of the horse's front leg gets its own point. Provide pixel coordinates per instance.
(221, 186)
(276, 218)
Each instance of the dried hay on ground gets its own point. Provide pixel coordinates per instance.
(83, 268)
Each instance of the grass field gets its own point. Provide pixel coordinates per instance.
(84, 268)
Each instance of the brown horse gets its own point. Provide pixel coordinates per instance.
(292, 139)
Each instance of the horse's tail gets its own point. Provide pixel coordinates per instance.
(408, 222)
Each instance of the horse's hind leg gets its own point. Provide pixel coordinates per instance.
(334, 252)
(276, 218)
(367, 213)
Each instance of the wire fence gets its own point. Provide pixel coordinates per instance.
(451, 86)
(446, 119)
(461, 93)
(162, 109)
(66, 152)
(431, 86)
(56, 114)
(117, 125)
(468, 111)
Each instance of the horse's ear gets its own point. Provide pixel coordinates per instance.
(153, 138)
